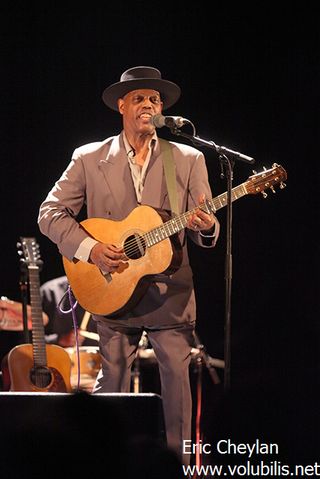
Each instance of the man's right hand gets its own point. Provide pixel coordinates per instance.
(107, 257)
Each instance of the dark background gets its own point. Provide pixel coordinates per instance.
(250, 81)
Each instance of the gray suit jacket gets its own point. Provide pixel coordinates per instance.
(99, 176)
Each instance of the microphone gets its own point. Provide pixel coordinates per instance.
(170, 121)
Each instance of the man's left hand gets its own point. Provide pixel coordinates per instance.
(199, 220)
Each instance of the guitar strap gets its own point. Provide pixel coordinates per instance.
(170, 174)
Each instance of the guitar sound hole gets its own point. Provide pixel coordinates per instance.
(135, 246)
(41, 376)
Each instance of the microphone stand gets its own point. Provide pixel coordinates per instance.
(227, 166)
(203, 359)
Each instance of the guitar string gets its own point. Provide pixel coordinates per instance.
(40, 374)
(132, 246)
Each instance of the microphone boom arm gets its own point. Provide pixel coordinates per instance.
(221, 150)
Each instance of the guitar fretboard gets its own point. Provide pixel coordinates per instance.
(179, 222)
(38, 337)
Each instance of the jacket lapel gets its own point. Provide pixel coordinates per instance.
(118, 177)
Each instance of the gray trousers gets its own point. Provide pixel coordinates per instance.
(172, 347)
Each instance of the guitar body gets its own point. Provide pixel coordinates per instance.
(112, 294)
(23, 376)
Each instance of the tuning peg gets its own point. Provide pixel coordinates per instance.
(254, 172)
(282, 185)
(272, 189)
(265, 169)
(264, 194)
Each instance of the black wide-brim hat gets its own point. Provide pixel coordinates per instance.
(141, 77)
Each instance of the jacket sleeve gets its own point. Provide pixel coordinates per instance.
(58, 212)
(199, 184)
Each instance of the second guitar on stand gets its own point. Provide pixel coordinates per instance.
(36, 367)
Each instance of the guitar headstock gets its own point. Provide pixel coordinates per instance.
(29, 251)
(260, 182)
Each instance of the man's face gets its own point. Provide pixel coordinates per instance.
(137, 108)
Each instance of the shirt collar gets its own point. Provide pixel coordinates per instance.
(130, 150)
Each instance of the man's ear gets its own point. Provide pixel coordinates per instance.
(120, 105)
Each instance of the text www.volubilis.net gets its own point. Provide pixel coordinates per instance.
(261, 469)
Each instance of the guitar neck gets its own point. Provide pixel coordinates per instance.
(221, 200)
(179, 222)
(38, 336)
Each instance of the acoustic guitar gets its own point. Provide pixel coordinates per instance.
(37, 367)
(150, 247)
